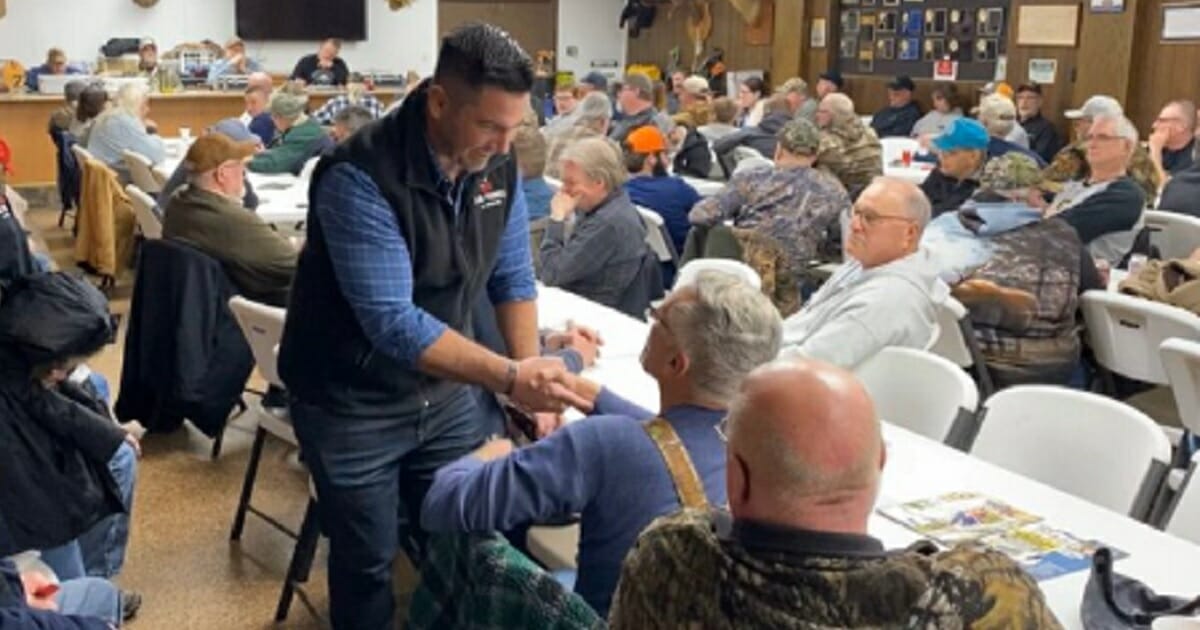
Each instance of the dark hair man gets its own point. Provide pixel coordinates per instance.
(410, 221)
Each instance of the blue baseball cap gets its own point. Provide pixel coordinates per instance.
(964, 134)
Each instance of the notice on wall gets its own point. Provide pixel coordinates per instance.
(1047, 25)
(945, 69)
(1042, 71)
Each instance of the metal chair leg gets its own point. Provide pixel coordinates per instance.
(302, 559)
(239, 519)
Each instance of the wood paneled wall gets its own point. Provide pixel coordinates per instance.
(533, 23)
(1160, 72)
(653, 45)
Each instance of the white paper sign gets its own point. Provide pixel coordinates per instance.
(1042, 71)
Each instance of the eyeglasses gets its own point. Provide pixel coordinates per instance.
(1101, 137)
(870, 217)
(722, 429)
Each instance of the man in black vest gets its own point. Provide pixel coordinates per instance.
(411, 219)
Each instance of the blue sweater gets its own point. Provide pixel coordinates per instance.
(671, 197)
(604, 467)
(537, 197)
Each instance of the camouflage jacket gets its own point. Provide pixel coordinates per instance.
(558, 141)
(798, 207)
(1070, 164)
(851, 152)
(682, 574)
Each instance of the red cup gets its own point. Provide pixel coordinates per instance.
(906, 157)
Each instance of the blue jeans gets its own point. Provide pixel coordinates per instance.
(371, 476)
(100, 551)
(90, 597)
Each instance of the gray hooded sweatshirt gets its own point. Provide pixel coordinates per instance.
(858, 312)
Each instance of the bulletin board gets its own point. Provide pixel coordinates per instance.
(892, 37)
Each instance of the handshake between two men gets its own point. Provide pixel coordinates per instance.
(545, 385)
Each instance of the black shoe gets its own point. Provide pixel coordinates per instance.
(131, 601)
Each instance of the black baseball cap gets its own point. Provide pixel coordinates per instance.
(1029, 87)
(902, 82)
(834, 77)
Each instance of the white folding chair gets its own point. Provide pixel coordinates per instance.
(657, 236)
(82, 155)
(1181, 361)
(687, 275)
(956, 342)
(894, 147)
(1175, 235)
(142, 172)
(262, 326)
(1125, 333)
(920, 391)
(1183, 518)
(306, 171)
(143, 209)
(1091, 446)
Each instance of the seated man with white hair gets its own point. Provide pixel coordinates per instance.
(592, 119)
(1106, 208)
(611, 467)
(887, 291)
(602, 259)
(998, 115)
(849, 150)
(805, 460)
(126, 127)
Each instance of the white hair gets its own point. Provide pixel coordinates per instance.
(998, 115)
(727, 330)
(130, 98)
(599, 161)
(1124, 129)
(594, 108)
(840, 105)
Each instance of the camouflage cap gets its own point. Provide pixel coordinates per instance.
(799, 137)
(1011, 171)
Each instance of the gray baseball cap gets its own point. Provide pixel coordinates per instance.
(1099, 105)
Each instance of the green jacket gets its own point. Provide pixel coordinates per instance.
(292, 149)
(260, 262)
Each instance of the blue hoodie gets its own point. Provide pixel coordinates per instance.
(671, 197)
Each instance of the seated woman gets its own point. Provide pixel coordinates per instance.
(93, 101)
(126, 127)
(68, 469)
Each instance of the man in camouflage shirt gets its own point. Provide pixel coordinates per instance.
(1070, 164)
(793, 203)
(849, 149)
(804, 461)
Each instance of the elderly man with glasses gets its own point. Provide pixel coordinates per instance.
(886, 292)
(1172, 140)
(617, 468)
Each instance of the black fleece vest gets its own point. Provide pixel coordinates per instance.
(325, 358)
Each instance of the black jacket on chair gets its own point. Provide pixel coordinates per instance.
(185, 357)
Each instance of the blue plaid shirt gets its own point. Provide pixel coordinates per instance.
(330, 109)
(371, 261)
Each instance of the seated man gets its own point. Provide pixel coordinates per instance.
(1182, 192)
(998, 115)
(56, 63)
(724, 113)
(792, 203)
(602, 257)
(636, 100)
(902, 111)
(234, 63)
(1172, 141)
(1070, 164)
(126, 127)
(652, 187)
(208, 215)
(62, 118)
(1019, 276)
(592, 119)
(1043, 137)
(886, 292)
(299, 138)
(566, 101)
(961, 154)
(1106, 208)
(805, 458)
(695, 108)
(231, 128)
(704, 339)
(348, 120)
(529, 146)
(795, 90)
(761, 137)
(256, 118)
(849, 150)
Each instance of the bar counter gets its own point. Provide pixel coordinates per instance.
(24, 120)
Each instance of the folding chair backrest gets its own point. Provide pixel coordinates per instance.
(262, 326)
(1175, 235)
(1184, 518)
(141, 172)
(1125, 332)
(143, 207)
(656, 235)
(919, 391)
(1088, 445)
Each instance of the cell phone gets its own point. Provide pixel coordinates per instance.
(520, 420)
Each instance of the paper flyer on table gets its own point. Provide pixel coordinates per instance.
(1043, 551)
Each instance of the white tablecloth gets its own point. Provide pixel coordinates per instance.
(282, 199)
(915, 173)
(705, 187)
(916, 468)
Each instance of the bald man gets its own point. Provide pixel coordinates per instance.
(805, 458)
(887, 291)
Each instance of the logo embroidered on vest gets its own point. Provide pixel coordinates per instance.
(489, 196)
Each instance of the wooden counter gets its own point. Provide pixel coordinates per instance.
(24, 119)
